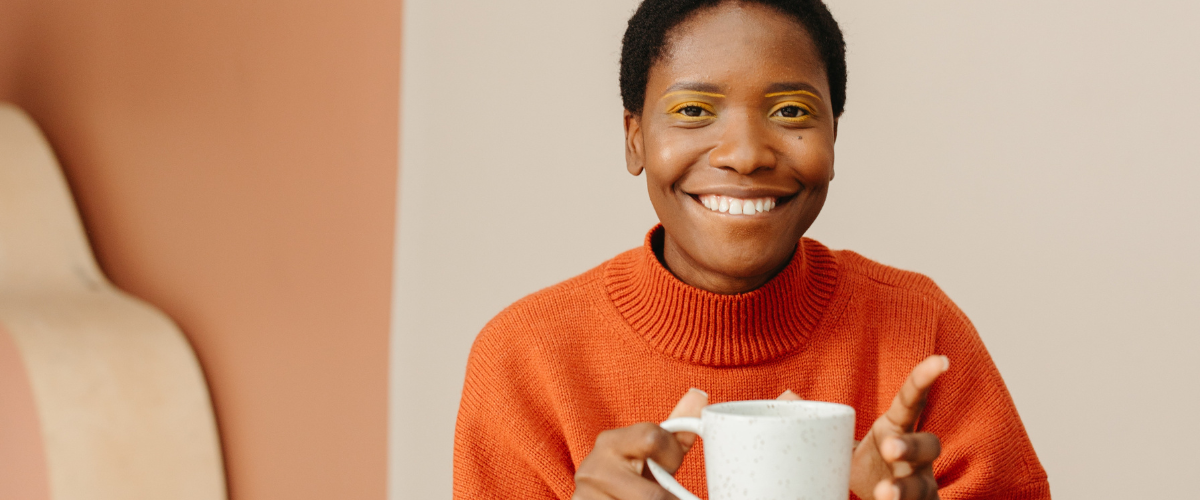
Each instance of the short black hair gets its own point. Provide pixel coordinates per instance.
(646, 38)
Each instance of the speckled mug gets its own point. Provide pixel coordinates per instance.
(770, 449)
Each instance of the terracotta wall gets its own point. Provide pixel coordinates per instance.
(22, 451)
(235, 164)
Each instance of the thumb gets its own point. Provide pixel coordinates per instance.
(788, 395)
(689, 405)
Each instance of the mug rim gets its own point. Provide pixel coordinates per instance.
(835, 410)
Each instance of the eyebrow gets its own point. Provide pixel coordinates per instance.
(792, 88)
(695, 88)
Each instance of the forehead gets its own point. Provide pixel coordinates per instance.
(737, 45)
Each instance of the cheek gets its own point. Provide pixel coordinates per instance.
(814, 161)
(668, 160)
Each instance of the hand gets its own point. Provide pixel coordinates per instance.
(616, 467)
(892, 462)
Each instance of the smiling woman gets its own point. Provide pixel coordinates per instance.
(734, 113)
(731, 111)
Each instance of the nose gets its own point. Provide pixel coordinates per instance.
(744, 146)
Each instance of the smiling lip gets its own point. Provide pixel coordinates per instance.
(737, 206)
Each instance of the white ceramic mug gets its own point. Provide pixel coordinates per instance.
(770, 449)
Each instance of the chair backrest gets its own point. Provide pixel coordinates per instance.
(121, 403)
(42, 243)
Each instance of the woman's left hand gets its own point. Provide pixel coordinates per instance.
(892, 462)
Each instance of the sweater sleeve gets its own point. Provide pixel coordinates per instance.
(986, 453)
(507, 442)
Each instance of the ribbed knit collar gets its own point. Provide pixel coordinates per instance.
(702, 327)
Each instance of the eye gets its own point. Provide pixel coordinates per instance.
(791, 111)
(693, 111)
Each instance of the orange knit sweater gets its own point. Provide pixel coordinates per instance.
(621, 343)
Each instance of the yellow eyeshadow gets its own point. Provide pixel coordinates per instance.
(683, 105)
(809, 113)
(786, 104)
(794, 92)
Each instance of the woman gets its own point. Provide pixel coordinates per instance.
(731, 110)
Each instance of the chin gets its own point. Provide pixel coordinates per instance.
(750, 262)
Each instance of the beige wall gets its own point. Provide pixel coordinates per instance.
(235, 165)
(1035, 158)
(511, 180)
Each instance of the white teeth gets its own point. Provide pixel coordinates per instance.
(736, 206)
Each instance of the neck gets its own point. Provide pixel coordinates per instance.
(705, 327)
(692, 272)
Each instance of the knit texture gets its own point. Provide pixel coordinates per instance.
(621, 343)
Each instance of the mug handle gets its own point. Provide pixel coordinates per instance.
(664, 478)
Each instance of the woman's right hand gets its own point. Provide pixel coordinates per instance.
(616, 467)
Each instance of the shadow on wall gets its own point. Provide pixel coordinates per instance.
(100, 394)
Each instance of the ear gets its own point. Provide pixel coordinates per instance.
(635, 151)
(833, 170)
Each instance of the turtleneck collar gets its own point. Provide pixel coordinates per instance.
(701, 327)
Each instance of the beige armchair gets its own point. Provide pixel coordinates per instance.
(100, 388)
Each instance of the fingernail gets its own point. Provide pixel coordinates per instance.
(945, 363)
(699, 391)
(883, 488)
(895, 448)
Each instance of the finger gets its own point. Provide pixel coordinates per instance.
(586, 491)
(910, 400)
(614, 467)
(636, 443)
(689, 405)
(917, 487)
(657, 443)
(788, 395)
(919, 449)
(608, 484)
(885, 490)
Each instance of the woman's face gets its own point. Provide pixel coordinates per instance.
(736, 139)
